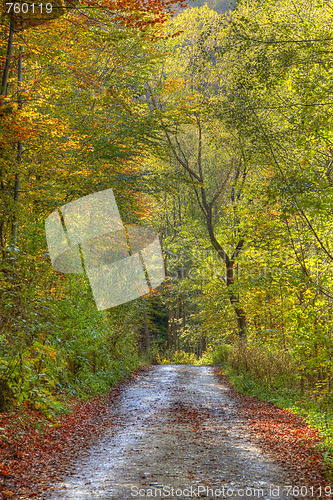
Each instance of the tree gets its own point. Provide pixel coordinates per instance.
(78, 131)
(214, 162)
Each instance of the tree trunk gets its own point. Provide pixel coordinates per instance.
(18, 158)
(234, 300)
(146, 333)
(230, 277)
(8, 58)
(170, 313)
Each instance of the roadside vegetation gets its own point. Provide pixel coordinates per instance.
(272, 376)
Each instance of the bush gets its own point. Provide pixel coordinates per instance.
(177, 358)
(216, 356)
(269, 366)
(184, 358)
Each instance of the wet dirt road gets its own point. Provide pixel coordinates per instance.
(176, 435)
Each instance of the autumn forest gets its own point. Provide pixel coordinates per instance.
(213, 124)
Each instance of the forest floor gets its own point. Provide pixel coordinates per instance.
(175, 431)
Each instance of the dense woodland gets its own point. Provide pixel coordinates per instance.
(212, 126)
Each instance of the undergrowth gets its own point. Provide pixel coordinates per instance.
(273, 376)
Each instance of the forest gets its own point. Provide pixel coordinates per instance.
(213, 124)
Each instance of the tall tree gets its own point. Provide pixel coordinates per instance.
(213, 160)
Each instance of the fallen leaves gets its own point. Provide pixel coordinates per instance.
(38, 452)
(285, 436)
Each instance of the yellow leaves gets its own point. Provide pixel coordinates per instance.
(84, 172)
(172, 84)
(15, 126)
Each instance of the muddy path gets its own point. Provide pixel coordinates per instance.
(176, 434)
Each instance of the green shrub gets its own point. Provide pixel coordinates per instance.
(184, 358)
(216, 356)
(177, 358)
(272, 367)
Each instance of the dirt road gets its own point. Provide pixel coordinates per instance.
(176, 435)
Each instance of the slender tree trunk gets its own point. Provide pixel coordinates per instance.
(234, 300)
(16, 200)
(173, 328)
(2, 240)
(183, 310)
(170, 310)
(18, 158)
(170, 314)
(147, 333)
(3, 94)
(5, 73)
(204, 345)
(177, 324)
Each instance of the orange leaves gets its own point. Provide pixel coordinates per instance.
(48, 454)
(3, 470)
(173, 84)
(7, 494)
(284, 435)
(141, 15)
(15, 126)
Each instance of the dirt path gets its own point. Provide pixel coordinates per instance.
(177, 434)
